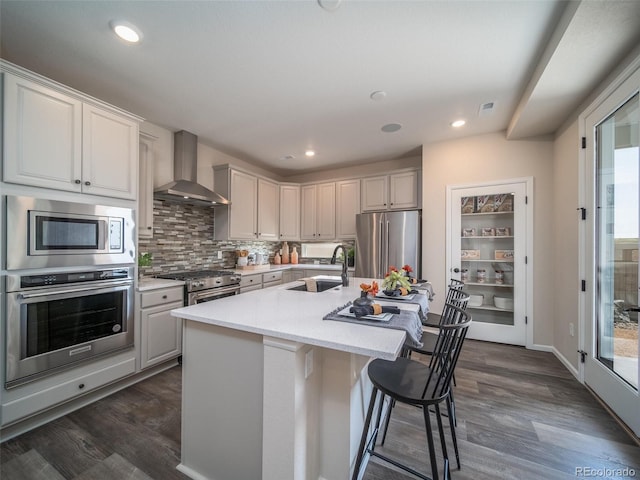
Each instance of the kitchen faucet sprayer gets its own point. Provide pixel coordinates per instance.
(345, 278)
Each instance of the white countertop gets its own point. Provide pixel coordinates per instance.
(297, 316)
(155, 283)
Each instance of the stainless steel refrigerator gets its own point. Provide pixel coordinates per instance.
(387, 238)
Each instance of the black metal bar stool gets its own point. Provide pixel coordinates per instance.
(414, 383)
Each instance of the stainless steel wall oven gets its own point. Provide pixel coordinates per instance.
(55, 320)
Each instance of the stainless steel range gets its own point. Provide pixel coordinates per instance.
(206, 285)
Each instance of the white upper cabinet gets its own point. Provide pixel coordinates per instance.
(243, 209)
(253, 213)
(53, 139)
(289, 212)
(397, 191)
(318, 212)
(347, 207)
(268, 211)
(109, 153)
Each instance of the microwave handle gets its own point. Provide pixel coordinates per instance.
(74, 290)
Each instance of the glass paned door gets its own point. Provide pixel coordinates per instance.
(488, 233)
(617, 234)
(611, 245)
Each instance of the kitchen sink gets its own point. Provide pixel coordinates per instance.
(322, 284)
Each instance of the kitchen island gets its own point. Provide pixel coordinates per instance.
(272, 391)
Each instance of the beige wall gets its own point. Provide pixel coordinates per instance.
(482, 159)
(565, 252)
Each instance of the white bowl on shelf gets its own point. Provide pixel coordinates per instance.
(505, 303)
(475, 300)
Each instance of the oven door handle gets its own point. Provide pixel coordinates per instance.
(215, 292)
(49, 293)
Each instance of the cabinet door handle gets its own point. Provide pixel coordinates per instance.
(87, 183)
(149, 228)
(77, 181)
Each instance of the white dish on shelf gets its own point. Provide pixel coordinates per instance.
(505, 303)
(475, 300)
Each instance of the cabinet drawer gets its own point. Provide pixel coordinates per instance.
(272, 277)
(272, 284)
(49, 397)
(249, 280)
(158, 297)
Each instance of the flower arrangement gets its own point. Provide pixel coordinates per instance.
(396, 279)
(407, 269)
(370, 289)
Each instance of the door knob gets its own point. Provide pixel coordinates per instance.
(456, 270)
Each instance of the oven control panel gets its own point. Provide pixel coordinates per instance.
(29, 281)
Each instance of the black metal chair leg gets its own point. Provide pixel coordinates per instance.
(432, 450)
(443, 443)
(453, 433)
(452, 410)
(392, 404)
(365, 432)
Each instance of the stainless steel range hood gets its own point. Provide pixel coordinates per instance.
(184, 188)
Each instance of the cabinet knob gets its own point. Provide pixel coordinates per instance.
(81, 386)
(164, 297)
(87, 183)
(149, 228)
(77, 182)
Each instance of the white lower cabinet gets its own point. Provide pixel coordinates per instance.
(291, 275)
(271, 279)
(250, 282)
(160, 333)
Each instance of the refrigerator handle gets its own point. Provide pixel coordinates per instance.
(387, 248)
(380, 259)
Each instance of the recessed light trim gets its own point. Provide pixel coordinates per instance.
(458, 123)
(126, 31)
(391, 127)
(378, 95)
(310, 153)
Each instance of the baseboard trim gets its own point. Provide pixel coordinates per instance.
(539, 347)
(566, 363)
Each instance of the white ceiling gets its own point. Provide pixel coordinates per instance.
(264, 79)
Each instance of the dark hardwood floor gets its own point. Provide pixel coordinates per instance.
(521, 415)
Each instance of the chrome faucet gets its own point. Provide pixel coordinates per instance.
(345, 278)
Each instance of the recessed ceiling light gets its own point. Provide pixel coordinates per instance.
(391, 127)
(378, 95)
(458, 123)
(309, 153)
(126, 31)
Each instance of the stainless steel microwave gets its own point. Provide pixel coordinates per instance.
(48, 233)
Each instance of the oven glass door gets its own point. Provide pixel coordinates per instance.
(54, 324)
(53, 327)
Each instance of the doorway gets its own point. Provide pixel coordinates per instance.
(612, 244)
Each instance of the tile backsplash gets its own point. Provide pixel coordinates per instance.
(183, 240)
